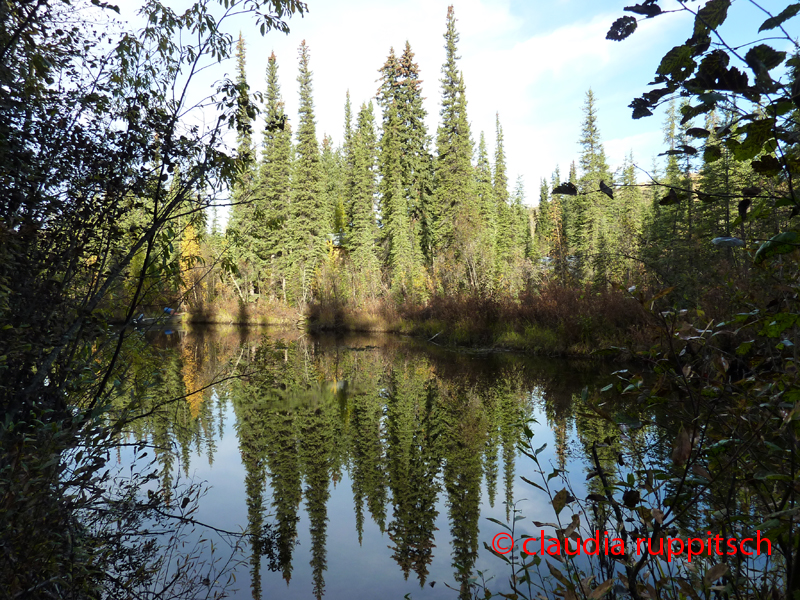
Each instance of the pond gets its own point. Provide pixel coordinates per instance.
(370, 466)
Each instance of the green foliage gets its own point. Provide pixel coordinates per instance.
(363, 235)
(101, 184)
(310, 222)
(453, 213)
(273, 188)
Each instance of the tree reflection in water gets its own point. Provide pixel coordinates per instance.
(405, 422)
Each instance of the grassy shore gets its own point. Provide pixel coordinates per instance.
(555, 321)
(233, 312)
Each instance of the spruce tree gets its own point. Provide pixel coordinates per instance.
(500, 188)
(310, 223)
(523, 230)
(488, 212)
(485, 192)
(558, 242)
(273, 185)
(246, 112)
(344, 214)
(590, 215)
(417, 162)
(500, 180)
(632, 221)
(394, 208)
(331, 201)
(364, 232)
(401, 86)
(453, 212)
(543, 230)
(241, 225)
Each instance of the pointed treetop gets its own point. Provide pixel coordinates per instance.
(390, 74)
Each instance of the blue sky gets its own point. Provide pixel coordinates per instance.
(531, 61)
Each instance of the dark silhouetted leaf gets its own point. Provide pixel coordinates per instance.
(712, 153)
(678, 63)
(690, 112)
(566, 188)
(698, 132)
(742, 208)
(528, 481)
(751, 191)
(759, 133)
(649, 10)
(631, 498)
(711, 16)
(670, 198)
(763, 56)
(555, 572)
(768, 166)
(654, 96)
(640, 109)
(621, 29)
(785, 14)
(714, 74)
(699, 43)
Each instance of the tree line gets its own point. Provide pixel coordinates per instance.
(394, 213)
(391, 212)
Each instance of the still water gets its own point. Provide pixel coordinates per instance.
(368, 465)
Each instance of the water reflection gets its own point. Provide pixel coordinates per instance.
(416, 431)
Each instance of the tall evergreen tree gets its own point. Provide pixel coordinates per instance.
(484, 189)
(331, 202)
(343, 214)
(558, 242)
(500, 187)
(523, 223)
(590, 215)
(394, 208)
(488, 212)
(273, 186)
(241, 227)
(364, 232)
(401, 87)
(500, 180)
(246, 111)
(310, 221)
(628, 221)
(417, 162)
(543, 231)
(453, 212)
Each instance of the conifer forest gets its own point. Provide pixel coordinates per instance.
(240, 357)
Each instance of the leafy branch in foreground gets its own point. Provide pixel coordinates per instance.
(99, 167)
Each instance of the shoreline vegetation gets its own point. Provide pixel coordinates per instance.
(553, 322)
